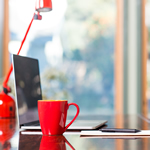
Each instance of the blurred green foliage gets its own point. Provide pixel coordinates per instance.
(52, 77)
(88, 60)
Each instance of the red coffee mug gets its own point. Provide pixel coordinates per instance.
(54, 143)
(53, 115)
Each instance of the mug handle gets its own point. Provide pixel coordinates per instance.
(77, 113)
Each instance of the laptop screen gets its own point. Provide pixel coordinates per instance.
(27, 88)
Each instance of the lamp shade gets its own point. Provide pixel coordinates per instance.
(43, 5)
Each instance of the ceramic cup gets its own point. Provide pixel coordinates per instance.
(54, 143)
(53, 114)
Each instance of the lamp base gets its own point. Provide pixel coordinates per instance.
(7, 106)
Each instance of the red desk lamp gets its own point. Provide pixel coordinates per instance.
(7, 103)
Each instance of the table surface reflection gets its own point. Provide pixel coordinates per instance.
(13, 139)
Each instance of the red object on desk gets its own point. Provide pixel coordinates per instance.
(7, 106)
(53, 115)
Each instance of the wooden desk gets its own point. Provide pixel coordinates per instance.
(11, 138)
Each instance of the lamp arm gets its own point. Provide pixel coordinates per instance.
(6, 88)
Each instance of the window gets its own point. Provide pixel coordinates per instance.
(75, 47)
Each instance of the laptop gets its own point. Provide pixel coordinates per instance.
(28, 92)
